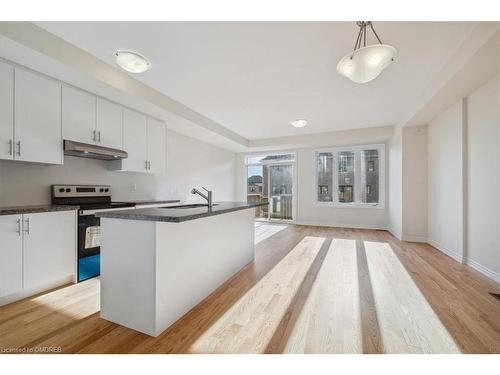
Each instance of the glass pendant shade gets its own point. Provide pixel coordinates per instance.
(132, 62)
(366, 63)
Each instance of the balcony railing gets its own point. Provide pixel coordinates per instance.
(281, 206)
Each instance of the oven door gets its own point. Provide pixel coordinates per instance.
(89, 242)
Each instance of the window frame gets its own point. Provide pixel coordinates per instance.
(357, 177)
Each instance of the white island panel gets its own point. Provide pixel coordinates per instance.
(152, 272)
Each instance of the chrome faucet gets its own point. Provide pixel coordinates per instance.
(208, 197)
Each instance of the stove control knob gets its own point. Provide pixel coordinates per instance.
(106, 190)
(68, 190)
(101, 190)
(61, 190)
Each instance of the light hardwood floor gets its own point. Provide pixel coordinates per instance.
(310, 290)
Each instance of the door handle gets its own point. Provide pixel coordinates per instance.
(11, 147)
(27, 230)
(18, 143)
(19, 227)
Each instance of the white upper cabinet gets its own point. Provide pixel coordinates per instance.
(78, 115)
(6, 111)
(109, 124)
(134, 141)
(11, 254)
(144, 139)
(37, 118)
(156, 146)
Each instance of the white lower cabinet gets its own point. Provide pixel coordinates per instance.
(49, 247)
(36, 251)
(11, 255)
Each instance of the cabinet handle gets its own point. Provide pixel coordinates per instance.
(99, 136)
(19, 227)
(146, 165)
(10, 146)
(18, 148)
(27, 230)
(94, 138)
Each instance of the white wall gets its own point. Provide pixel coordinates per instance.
(414, 182)
(445, 182)
(483, 247)
(395, 203)
(190, 163)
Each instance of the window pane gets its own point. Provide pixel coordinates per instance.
(325, 174)
(369, 176)
(257, 188)
(346, 176)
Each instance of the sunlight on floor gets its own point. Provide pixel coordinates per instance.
(49, 311)
(330, 320)
(249, 325)
(358, 298)
(407, 322)
(266, 230)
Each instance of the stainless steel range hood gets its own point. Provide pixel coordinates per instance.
(85, 150)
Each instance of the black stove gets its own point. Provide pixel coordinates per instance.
(90, 199)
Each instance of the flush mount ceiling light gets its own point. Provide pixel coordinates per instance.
(300, 123)
(365, 63)
(132, 62)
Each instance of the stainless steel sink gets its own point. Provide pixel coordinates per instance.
(182, 206)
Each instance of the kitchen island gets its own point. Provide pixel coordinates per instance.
(158, 263)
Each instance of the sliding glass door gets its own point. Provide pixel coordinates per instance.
(281, 192)
(271, 178)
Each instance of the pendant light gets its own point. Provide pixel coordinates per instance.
(365, 63)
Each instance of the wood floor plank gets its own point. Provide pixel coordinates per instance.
(310, 290)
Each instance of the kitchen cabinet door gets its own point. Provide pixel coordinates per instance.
(37, 119)
(49, 245)
(6, 111)
(134, 141)
(11, 255)
(78, 115)
(156, 146)
(109, 124)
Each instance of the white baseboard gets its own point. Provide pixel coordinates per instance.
(342, 225)
(394, 233)
(41, 288)
(452, 254)
(495, 276)
(408, 238)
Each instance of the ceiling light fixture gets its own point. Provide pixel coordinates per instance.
(132, 62)
(300, 123)
(365, 63)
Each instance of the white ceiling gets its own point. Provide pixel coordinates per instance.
(255, 77)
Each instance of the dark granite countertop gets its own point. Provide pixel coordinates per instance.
(152, 201)
(178, 215)
(16, 210)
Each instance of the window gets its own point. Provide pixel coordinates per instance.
(324, 176)
(350, 176)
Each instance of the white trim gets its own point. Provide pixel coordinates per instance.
(407, 238)
(342, 225)
(452, 254)
(394, 233)
(45, 287)
(495, 276)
